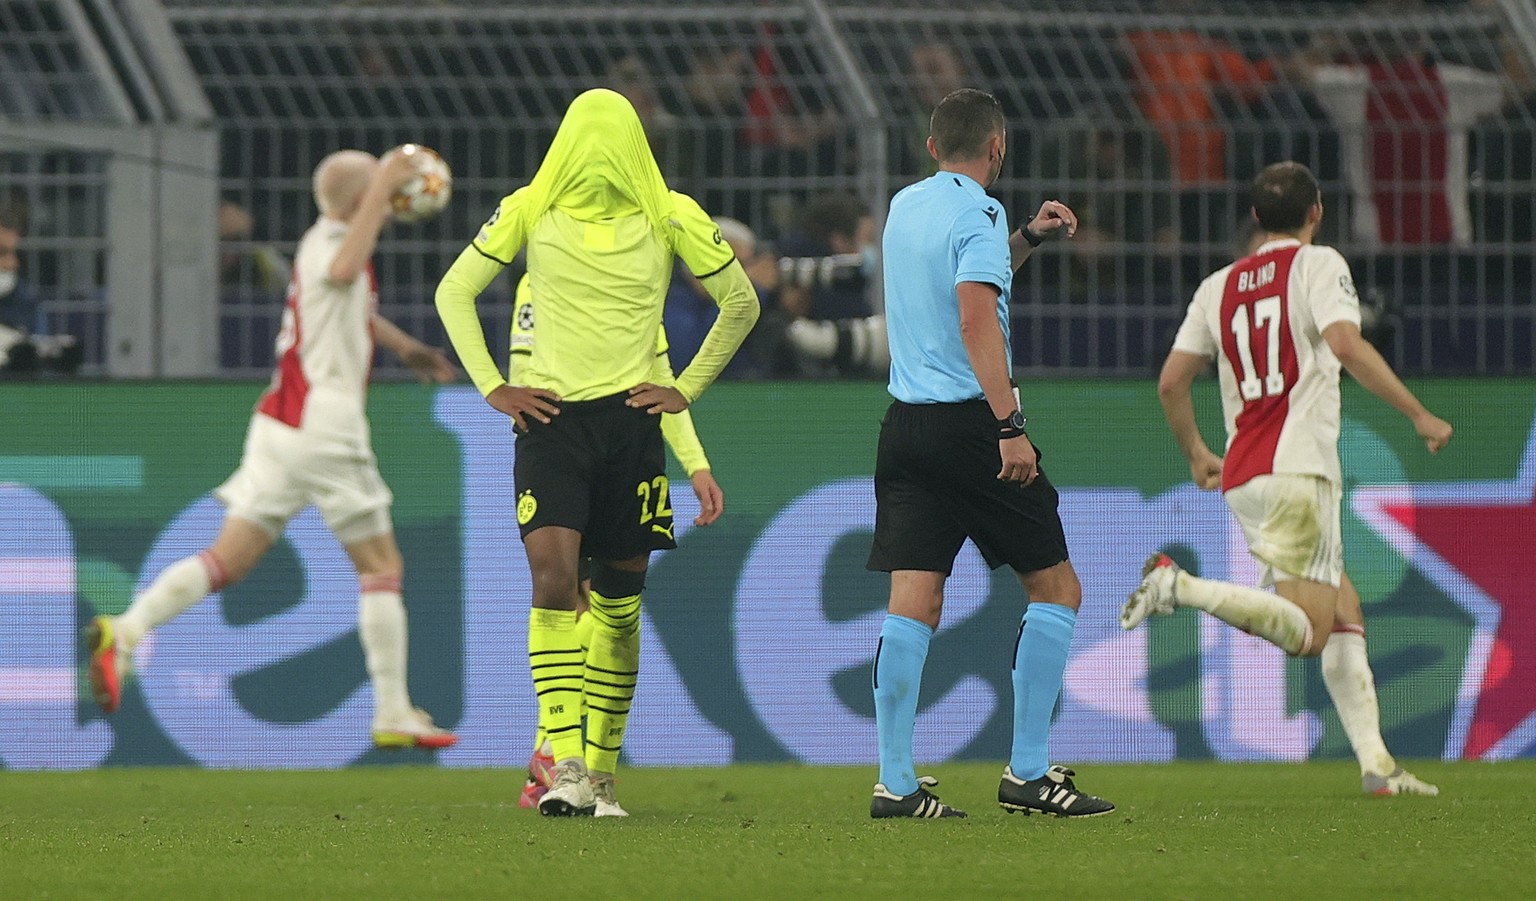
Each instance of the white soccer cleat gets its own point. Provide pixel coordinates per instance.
(1155, 596)
(607, 804)
(1399, 782)
(571, 794)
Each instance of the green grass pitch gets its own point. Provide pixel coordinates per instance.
(1189, 830)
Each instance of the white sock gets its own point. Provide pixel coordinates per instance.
(178, 587)
(1347, 673)
(381, 628)
(1269, 616)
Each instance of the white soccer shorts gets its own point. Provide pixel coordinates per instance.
(1292, 526)
(284, 469)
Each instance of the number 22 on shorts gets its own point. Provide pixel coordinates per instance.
(655, 489)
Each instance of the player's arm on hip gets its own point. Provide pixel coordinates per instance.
(677, 428)
(709, 257)
(515, 400)
(456, 296)
(732, 291)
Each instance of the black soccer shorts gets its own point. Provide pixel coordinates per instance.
(599, 468)
(936, 485)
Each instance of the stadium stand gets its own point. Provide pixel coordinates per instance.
(47, 77)
(1150, 117)
(104, 136)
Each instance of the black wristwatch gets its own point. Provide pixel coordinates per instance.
(1011, 426)
(1030, 237)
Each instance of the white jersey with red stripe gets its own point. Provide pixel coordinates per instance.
(325, 345)
(1262, 318)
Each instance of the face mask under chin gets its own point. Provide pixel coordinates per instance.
(996, 173)
(7, 282)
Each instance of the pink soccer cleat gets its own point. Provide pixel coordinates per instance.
(541, 775)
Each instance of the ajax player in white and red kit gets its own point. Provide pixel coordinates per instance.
(1280, 324)
(309, 443)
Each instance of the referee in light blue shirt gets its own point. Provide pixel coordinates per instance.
(954, 461)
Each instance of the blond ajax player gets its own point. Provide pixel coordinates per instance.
(608, 711)
(308, 443)
(1280, 323)
(602, 230)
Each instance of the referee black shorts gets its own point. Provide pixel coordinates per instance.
(600, 468)
(936, 485)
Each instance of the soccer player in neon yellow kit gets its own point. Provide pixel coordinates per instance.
(677, 429)
(602, 230)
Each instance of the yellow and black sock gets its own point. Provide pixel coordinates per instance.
(608, 679)
(554, 659)
(584, 636)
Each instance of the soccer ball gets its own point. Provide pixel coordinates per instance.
(425, 195)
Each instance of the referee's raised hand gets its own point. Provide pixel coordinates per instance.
(1054, 218)
(1019, 460)
(523, 404)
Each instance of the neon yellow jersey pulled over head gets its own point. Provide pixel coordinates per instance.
(601, 229)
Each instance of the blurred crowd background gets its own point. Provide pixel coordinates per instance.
(155, 160)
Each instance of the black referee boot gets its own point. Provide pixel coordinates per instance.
(921, 804)
(1052, 793)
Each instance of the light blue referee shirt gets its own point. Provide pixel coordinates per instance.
(940, 232)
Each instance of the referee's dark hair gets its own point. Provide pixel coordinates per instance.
(1282, 195)
(962, 123)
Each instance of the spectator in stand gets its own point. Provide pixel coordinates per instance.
(630, 76)
(1182, 76)
(1404, 121)
(1503, 153)
(24, 344)
(1178, 75)
(827, 261)
(826, 272)
(787, 132)
(18, 304)
(1118, 176)
(244, 263)
(253, 276)
(714, 100)
(717, 82)
(937, 71)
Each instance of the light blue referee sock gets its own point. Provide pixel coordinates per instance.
(1038, 663)
(898, 675)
